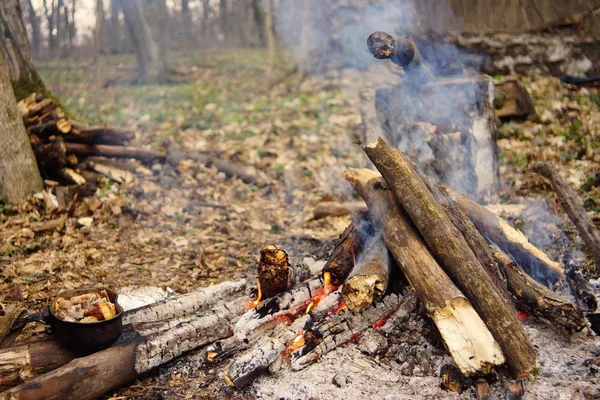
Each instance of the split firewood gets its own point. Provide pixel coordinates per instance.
(43, 107)
(369, 278)
(348, 246)
(275, 274)
(573, 206)
(536, 298)
(336, 209)
(70, 176)
(58, 127)
(116, 151)
(511, 241)
(467, 338)
(454, 254)
(116, 174)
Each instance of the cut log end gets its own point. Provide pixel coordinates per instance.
(470, 343)
(275, 274)
(360, 291)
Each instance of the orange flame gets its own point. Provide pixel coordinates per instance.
(327, 288)
(254, 303)
(340, 307)
(296, 344)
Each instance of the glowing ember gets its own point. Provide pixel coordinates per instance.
(521, 315)
(340, 307)
(327, 286)
(296, 344)
(310, 306)
(254, 303)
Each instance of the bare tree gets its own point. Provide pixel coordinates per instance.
(206, 10)
(152, 67)
(34, 23)
(269, 31)
(50, 12)
(19, 174)
(259, 21)
(115, 28)
(186, 17)
(223, 13)
(15, 47)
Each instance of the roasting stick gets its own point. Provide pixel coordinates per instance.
(467, 338)
(457, 259)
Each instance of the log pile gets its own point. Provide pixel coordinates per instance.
(61, 144)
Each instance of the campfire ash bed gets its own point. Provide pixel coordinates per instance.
(427, 294)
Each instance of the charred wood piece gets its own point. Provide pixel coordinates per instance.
(275, 274)
(369, 278)
(401, 51)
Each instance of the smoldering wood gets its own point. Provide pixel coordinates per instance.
(511, 241)
(581, 290)
(345, 326)
(253, 363)
(139, 153)
(536, 298)
(186, 304)
(370, 277)
(483, 390)
(222, 349)
(453, 379)
(347, 248)
(448, 128)
(269, 312)
(573, 206)
(337, 209)
(275, 274)
(466, 336)
(457, 259)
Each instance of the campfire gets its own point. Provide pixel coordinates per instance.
(415, 248)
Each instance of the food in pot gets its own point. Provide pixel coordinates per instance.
(88, 307)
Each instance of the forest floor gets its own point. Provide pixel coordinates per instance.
(188, 226)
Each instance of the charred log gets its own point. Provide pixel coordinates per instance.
(275, 274)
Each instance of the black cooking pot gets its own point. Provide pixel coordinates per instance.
(86, 337)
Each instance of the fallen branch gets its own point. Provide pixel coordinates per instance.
(467, 338)
(457, 259)
(116, 151)
(572, 205)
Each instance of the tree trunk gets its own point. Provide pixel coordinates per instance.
(205, 16)
(224, 18)
(151, 65)
(186, 17)
(269, 32)
(259, 21)
(15, 48)
(36, 35)
(19, 174)
(115, 28)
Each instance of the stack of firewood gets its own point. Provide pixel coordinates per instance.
(60, 144)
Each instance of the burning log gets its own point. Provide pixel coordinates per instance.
(572, 205)
(450, 247)
(341, 262)
(370, 276)
(249, 366)
(346, 326)
(402, 51)
(534, 261)
(467, 338)
(222, 349)
(536, 298)
(275, 273)
(116, 151)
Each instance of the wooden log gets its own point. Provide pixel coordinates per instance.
(98, 135)
(454, 254)
(467, 338)
(52, 155)
(369, 278)
(536, 299)
(116, 151)
(21, 362)
(349, 245)
(91, 376)
(453, 379)
(336, 209)
(58, 127)
(43, 107)
(275, 274)
(69, 176)
(573, 206)
(511, 241)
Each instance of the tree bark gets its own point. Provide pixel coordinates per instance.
(573, 206)
(457, 259)
(259, 22)
(15, 47)
(152, 67)
(269, 32)
(468, 340)
(34, 23)
(115, 28)
(186, 17)
(19, 174)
